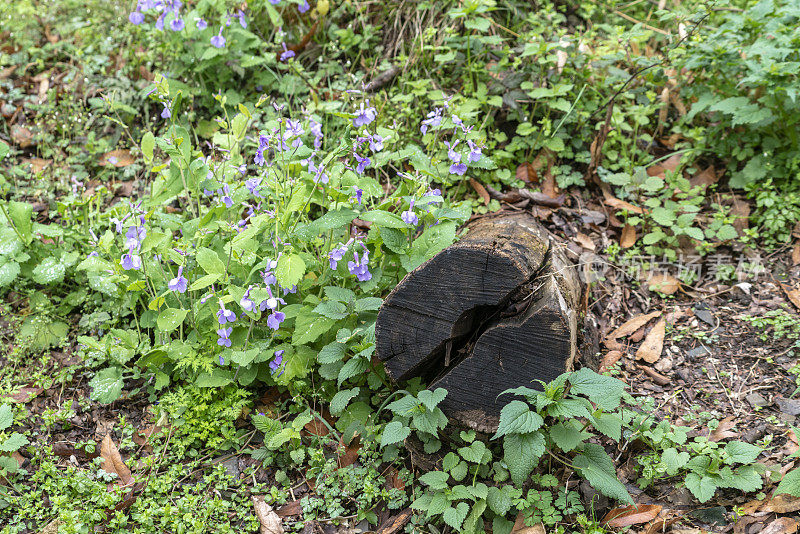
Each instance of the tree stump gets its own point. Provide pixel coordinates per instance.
(497, 310)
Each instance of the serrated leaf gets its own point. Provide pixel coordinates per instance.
(342, 399)
(309, 327)
(596, 466)
(498, 501)
(107, 385)
(609, 424)
(521, 453)
(6, 416)
(340, 294)
(431, 399)
(332, 352)
(702, 487)
(474, 452)
(674, 460)
(384, 219)
(290, 270)
(604, 391)
(404, 406)
(332, 310)
(368, 304)
(351, 368)
(790, 483)
(395, 432)
(455, 516)
(8, 273)
(517, 417)
(49, 270)
(14, 442)
(565, 436)
(741, 452)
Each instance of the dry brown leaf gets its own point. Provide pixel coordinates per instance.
(783, 504)
(617, 204)
(723, 430)
(478, 187)
(521, 528)
(659, 526)
(792, 294)
(628, 237)
(704, 178)
(549, 186)
(117, 158)
(24, 395)
(291, 508)
(654, 375)
(527, 173)
(37, 164)
(611, 357)
(626, 516)
(670, 164)
(8, 71)
(22, 136)
(632, 325)
(112, 461)
(395, 524)
(741, 213)
(751, 507)
(267, 518)
(782, 525)
(653, 344)
(796, 254)
(585, 241)
(51, 527)
(663, 283)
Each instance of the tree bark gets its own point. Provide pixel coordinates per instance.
(497, 310)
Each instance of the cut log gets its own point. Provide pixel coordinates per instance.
(497, 310)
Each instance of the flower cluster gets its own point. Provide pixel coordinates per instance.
(133, 241)
(458, 164)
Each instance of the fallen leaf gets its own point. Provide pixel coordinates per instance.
(112, 461)
(628, 237)
(480, 190)
(723, 430)
(632, 325)
(117, 158)
(291, 508)
(617, 204)
(654, 375)
(37, 164)
(653, 344)
(782, 525)
(521, 528)
(21, 136)
(51, 527)
(659, 526)
(269, 520)
(740, 210)
(704, 178)
(751, 507)
(626, 516)
(350, 454)
(611, 357)
(796, 254)
(395, 524)
(527, 173)
(7, 71)
(783, 504)
(24, 395)
(663, 283)
(670, 164)
(792, 294)
(585, 241)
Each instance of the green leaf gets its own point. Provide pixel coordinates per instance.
(107, 385)
(341, 400)
(290, 270)
(148, 144)
(48, 271)
(8, 273)
(498, 501)
(522, 453)
(340, 294)
(384, 219)
(517, 417)
(431, 399)
(204, 281)
(741, 452)
(663, 216)
(215, 379)
(674, 460)
(368, 304)
(597, 468)
(609, 424)
(602, 390)
(473, 453)
(171, 318)
(351, 368)
(790, 483)
(309, 327)
(702, 487)
(727, 232)
(14, 442)
(210, 262)
(332, 310)
(394, 239)
(430, 421)
(455, 516)
(396, 432)
(20, 214)
(332, 352)
(6, 417)
(566, 436)
(4, 150)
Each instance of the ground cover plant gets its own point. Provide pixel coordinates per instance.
(205, 202)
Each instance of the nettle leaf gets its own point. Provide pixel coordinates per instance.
(404, 406)
(332, 352)
(569, 408)
(384, 219)
(353, 367)
(342, 399)
(449, 461)
(290, 270)
(332, 310)
(436, 480)
(14, 442)
(741, 452)
(521, 453)
(430, 422)
(604, 391)
(6, 417)
(608, 424)
(498, 500)
(431, 399)
(456, 516)
(596, 466)
(48, 271)
(210, 262)
(368, 304)
(674, 460)
(171, 318)
(107, 385)
(702, 487)
(8, 273)
(395, 432)
(745, 479)
(790, 483)
(340, 294)
(309, 327)
(394, 239)
(473, 453)
(566, 436)
(517, 417)
(459, 471)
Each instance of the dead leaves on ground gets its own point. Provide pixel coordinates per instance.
(112, 461)
(268, 520)
(627, 516)
(117, 158)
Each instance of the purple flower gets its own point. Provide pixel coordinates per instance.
(136, 17)
(224, 341)
(286, 54)
(160, 21)
(358, 192)
(276, 363)
(226, 197)
(201, 24)
(271, 302)
(364, 116)
(134, 236)
(408, 216)
(247, 303)
(176, 24)
(274, 2)
(292, 290)
(304, 7)
(316, 129)
(218, 41)
(275, 319)
(242, 21)
(433, 193)
(458, 168)
(131, 261)
(474, 152)
(457, 121)
(376, 143)
(252, 185)
(294, 130)
(363, 163)
(225, 315)
(359, 268)
(178, 283)
(454, 156)
(166, 113)
(118, 223)
(434, 119)
(336, 255)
